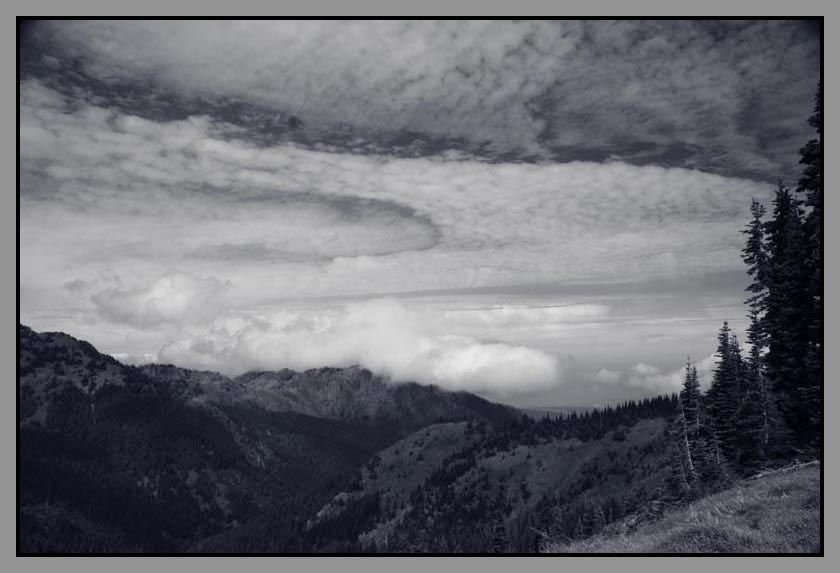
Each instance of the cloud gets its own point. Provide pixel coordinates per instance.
(434, 161)
(283, 225)
(145, 196)
(512, 317)
(652, 378)
(136, 359)
(390, 75)
(712, 95)
(607, 376)
(382, 335)
(174, 298)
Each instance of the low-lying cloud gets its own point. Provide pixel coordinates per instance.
(652, 378)
(382, 335)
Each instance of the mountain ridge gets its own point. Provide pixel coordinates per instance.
(123, 458)
(353, 393)
(165, 459)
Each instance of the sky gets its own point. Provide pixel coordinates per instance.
(541, 212)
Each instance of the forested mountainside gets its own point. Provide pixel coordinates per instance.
(338, 393)
(470, 488)
(118, 458)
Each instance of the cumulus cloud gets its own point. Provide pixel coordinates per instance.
(381, 335)
(174, 298)
(607, 376)
(652, 378)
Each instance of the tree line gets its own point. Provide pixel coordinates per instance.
(764, 406)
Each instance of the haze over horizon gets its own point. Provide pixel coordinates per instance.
(542, 213)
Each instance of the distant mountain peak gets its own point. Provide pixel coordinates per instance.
(352, 393)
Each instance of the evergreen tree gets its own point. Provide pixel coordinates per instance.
(690, 400)
(811, 157)
(810, 184)
(750, 420)
(757, 376)
(754, 410)
(788, 322)
(722, 399)
(685, 434)
(754, 255)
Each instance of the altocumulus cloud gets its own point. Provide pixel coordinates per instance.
(221, 224)
(382, 335)
(687, 88)
(163, 183)
(143, 196)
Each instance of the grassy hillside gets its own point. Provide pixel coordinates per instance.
(776, 513)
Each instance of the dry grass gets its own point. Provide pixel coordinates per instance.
(776, 513)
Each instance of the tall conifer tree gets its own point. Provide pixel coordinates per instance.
(722, 399)
(788, 320)
(811, 185)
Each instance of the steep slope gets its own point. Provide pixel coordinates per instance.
(115, 460)
(388, 479)
(776, 513)
(118, 458)
(53, 362)
(459, 488)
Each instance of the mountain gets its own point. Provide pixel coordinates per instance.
(118, 458)
(340, 394)
(469, 487)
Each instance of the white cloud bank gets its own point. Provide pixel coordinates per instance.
(382, 335)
